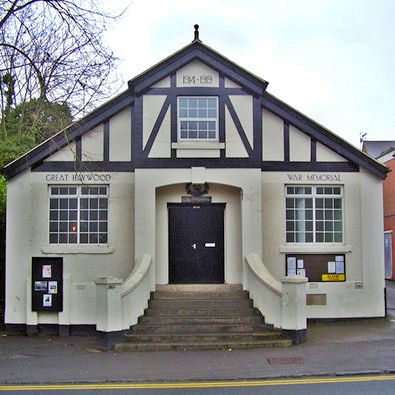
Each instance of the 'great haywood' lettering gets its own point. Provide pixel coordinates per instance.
(78, 177)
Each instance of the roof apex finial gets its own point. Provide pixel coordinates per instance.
(196, 35)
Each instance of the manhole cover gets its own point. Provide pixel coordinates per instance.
(284, 360)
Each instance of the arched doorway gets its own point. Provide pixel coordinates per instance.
(198, 242)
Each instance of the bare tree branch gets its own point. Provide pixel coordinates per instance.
(53, 50)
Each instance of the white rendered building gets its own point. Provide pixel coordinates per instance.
(194, 174)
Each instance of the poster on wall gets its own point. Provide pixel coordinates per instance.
(316, 267)
(47, 271)
(331, 267)
(339, 267)
(46, 284)
(291, 266)
(301, 272)
(40, 286)
(52, 287)
(47, 300)
(291, 261)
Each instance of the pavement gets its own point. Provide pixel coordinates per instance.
(342, 347)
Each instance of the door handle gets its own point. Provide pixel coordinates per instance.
(194, 246)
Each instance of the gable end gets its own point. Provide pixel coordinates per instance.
(204, 54)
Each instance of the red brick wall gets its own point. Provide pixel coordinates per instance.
(389, 207)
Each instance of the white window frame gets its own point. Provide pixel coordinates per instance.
(197, 119)
(78, 196)
(314, 196)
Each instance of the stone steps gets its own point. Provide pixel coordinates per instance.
(201, 328)
(200, 317)
(196, 288)
(148, 320)
(199, 304)
(198, 338)
(165, 295)
(200, 312)
(280, 342)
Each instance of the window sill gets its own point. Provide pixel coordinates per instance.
(193, 145)
(77, 249)
(315, 248)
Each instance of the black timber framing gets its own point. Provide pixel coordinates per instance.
(106, 140)
(137, 128)
(257, 125)
(286, 141)
(249, 84)
(310, 166)
(171, 100)
(156, 128)
(84, 166)
(239, 127)
(173, 115)
(319, 133)
(197, 51)
(197, 91)
(221, 115)
(213, 163)
(72, 133)
(313, 150)
(78, 149)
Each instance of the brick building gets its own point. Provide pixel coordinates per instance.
(384, 152)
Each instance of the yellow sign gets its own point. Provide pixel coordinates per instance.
(333, 277)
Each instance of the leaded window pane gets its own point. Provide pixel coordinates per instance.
(290, 237)
(314, 214)
(75, 213)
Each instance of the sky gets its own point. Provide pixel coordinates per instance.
(333, 60)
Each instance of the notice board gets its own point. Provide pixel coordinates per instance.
(47, 284)
(317, 267)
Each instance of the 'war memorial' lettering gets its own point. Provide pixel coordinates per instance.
(325, 177)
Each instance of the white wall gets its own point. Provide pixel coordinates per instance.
(121, 136)
(27, 237)
(232, 231)
(165, 83)
(67, 153)
(299, 145)
(243, 106)
(18, 258)
(325, 154)
(233, 143)
(272, 136)
(92, 144)
(162, 144)
(152, 104)
(147, 182)
(254, 222)
(362, 243)
(197, 69)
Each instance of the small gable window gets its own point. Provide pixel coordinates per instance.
(198, 118)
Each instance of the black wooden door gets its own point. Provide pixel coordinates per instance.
(196, 243)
